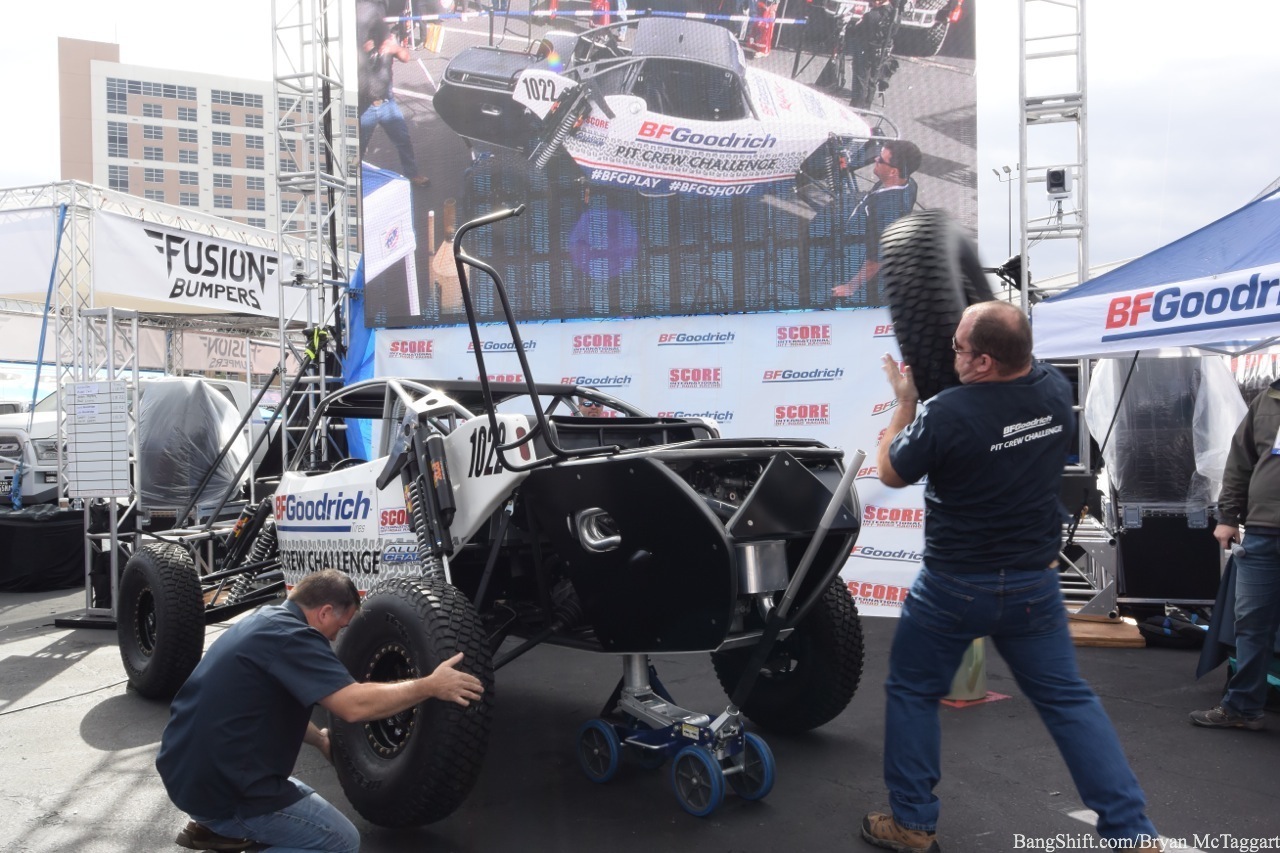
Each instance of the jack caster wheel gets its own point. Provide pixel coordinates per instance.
(698, 780)
(599, 750)
(754, 780)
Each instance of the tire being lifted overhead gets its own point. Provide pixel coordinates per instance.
(160, 620)
(417, 766)
(931, 273)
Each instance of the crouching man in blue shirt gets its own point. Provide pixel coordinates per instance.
(237, 725)
(993, 449)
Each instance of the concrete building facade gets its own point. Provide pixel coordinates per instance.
(187, 139)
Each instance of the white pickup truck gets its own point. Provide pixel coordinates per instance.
(32, 438)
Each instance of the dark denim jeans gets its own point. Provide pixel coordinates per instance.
(1257, 619)
(1023, 612)
(311, 825)
(392, 120)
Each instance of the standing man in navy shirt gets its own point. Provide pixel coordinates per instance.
(993, 450)
(237, 725)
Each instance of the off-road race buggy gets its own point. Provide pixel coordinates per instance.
(660, 105)
(490, 515)
(493, 520)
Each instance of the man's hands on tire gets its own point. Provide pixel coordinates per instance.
(453, 685)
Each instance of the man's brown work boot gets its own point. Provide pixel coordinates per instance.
(883, 831)
(197, 836)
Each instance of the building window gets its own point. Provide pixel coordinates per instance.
(351, 112)
(235, 99)
(221, 181)
(287, 166)
(222, 202)
(188, 155)
(153, 111)
(256, 202)
(221, 160)
(253, 142)
(221, 117)
(256, 222)
(189, 199)
(188, 114)
(153, 176)
(118, 178)
(117, 139)
(221, 139)
(353, 231)
(255, 182)
(257, 163)
(287, 205)
(152, 131)
(188, 134)
(153, 195)
(289, 144)
(253, 120)
(152, 152)
(189, 179)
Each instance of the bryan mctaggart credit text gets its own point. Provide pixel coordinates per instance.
(1089, 841)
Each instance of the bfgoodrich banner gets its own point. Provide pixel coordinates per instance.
(149, 267)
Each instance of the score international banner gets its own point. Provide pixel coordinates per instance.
(793, 375)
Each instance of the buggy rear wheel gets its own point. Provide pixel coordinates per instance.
(809, 676)
(417, 766)
(160, 620)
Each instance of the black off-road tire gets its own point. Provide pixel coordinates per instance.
(160, 620)
(931, 273)
(823, 659)
(418, 766)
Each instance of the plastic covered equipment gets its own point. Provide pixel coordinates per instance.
(182, 424)
(1169, 431)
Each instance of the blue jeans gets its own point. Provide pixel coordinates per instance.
(1257, 618)
(311, 825)
(1023, 612)
(392, 120)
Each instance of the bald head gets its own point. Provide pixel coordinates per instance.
(1000, 330)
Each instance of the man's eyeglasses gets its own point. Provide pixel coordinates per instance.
(955, 347)
(883, 161)
(590, 404)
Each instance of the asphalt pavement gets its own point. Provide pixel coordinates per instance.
(76, 748)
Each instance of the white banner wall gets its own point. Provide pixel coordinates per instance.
(27, 245)
(810, 375)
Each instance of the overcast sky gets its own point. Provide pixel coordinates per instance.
(1182, 101)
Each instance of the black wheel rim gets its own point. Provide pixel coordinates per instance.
(389, 737)
(693, 782)
(144, 623)
(596, 755)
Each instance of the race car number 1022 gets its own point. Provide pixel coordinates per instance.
(484, 452)
(539, 88)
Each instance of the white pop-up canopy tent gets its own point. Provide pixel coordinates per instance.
(1214, 290)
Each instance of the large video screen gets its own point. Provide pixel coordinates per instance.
(677, 157)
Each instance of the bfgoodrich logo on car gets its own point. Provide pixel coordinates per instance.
(203, 269)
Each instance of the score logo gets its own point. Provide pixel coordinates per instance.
(597, 344)
(803, 336)
(884, 516)
(878, 593)
(694, 377)
(413, 349)
(802, 414)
